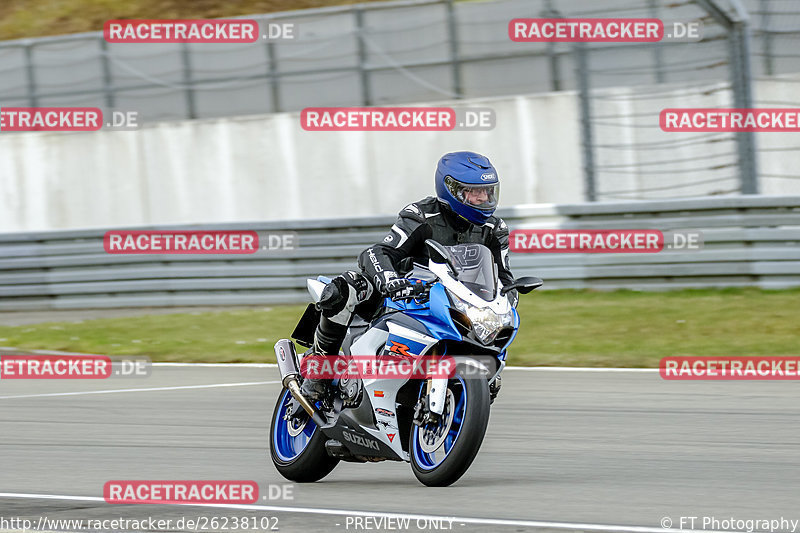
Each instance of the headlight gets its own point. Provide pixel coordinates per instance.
(485, 322)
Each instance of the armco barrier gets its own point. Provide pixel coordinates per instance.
(749, 241)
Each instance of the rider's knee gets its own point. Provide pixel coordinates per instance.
(334, 297)
(361, 286)
(344, 292)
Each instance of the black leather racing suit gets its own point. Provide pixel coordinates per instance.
(431, 219)
(362, 292)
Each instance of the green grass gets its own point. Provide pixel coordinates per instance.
(571, 328)
(37, 18)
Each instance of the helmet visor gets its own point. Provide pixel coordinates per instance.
(479, 196)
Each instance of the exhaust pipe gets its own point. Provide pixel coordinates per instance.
(287, 365)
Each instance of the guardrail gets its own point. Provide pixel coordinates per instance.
(749, 241)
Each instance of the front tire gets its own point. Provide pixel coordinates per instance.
(468, 403)
(298, 450)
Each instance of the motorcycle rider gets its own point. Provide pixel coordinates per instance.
(467, 190)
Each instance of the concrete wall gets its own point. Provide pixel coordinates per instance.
(265, 167)
(268, 168)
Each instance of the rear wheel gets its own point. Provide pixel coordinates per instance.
(441, 453)
(297, 445)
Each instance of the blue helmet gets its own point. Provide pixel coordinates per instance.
(468, 183)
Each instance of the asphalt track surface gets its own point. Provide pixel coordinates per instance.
(565, 450)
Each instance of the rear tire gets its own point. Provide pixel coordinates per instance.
(471, 416)
(301, 458)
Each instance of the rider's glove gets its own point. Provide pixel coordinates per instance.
(402, 288)
(396, 287)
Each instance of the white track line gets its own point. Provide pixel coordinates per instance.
(578, 369)
(273, 365)
(349, 512)
(212, 365)
(115, 391)
(524, 368)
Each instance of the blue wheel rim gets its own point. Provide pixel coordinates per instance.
(287, 447)
(429, 461)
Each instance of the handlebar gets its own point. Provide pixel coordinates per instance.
(421, 289)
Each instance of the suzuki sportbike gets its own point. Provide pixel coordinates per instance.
(460, 310)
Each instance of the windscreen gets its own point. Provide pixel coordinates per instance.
(476, 269)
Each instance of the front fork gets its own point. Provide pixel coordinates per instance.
(431, 406)
(436, 392)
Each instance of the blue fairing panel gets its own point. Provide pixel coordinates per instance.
(433, 314)
(504, 354)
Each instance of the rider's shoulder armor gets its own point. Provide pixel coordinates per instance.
(498, 226)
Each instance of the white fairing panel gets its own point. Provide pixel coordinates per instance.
(499, 305)
(381, 393)
(315, 288)
(370, 343)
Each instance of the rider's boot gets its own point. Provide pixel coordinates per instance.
(328, 339)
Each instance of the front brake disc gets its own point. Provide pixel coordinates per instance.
(432, 436)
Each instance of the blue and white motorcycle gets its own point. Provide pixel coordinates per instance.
(437, 423)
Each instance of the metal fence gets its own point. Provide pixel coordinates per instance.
(368, 54)
(749, 241)
(635, 159)
(376, 53)
(429, 50)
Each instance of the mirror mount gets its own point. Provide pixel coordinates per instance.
(523, 285)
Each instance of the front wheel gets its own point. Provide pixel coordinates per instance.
(297, 445)
(441, 453)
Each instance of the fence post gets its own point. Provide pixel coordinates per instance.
(32, 96)
(452, 28)
(187, 81)
(743, 98)
(769, 69)
(738, 29)
(552, 54)
(366, 93)
(584, 93)
(273, 77)
(109, 92)
(658, 49)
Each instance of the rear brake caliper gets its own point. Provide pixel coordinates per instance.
(296, 418)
